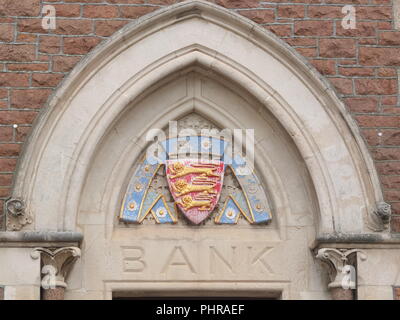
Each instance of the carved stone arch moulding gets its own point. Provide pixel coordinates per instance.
(54, 167)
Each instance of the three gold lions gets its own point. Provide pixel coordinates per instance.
(182, 187)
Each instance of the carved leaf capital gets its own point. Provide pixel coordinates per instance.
(56, 264)
(337, 262)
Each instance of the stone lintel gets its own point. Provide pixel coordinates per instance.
(43, 238)
(356, 241)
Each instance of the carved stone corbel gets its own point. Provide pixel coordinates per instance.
(341, 272)
(16, 217)
(380, 218)
(56, 265)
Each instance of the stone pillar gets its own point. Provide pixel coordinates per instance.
(342, 274)
(56, 265)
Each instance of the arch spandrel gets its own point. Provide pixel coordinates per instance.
(69, 135)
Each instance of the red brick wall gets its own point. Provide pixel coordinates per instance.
(360, 63)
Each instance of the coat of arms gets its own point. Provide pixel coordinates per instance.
(195, 186)
(176, 184)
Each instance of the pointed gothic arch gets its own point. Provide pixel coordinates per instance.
(66, 139)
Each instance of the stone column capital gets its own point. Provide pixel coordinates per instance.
(56, 265)
(337, 262)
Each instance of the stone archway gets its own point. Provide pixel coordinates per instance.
(317, 146)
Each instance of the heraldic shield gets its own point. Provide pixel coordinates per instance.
(195, 186)
(197, 176)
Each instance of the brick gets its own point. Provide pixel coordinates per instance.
(356, 71)
(83, 1)
(299, 1)
(108, 27)
(281, 30)
(390, 182)
(346, 1)
(42, 57)
(291, 11)
(132, 1)
(378, 121)
(100, 11)
(161, 2)
(74, 27)
(376, 86)
(49, 44)
(3, 104)
(301, 42)
(6, 32)
(67, 10)
(31, 26)
(390, 110)
(382, 154)
(307, 52)
(390, 137)
(389, 101)
(371, 136)
(6, 134)
(347, 62)
(17, 52)
(324, 12)
(20, 8)
(342, 85)
(395, 227)
(367, 41)
(384, 25)
(337, 48)
(6, 180)
(237, 3)
(392, 195)
(389, 38)
(9, 79)
(30, 98)
(28, 66)
(3, 93)
(362, 104)
(5, 192)
(363, 29)
(46, 79)
(395, 208)
(135, 12)
(64, 64)
(388, 168)
(26, 37)
(259, 16)
(387, 72)
(2, 227)
(374, 13)
(7, 165)
(313, 28)
(80, 45)
(21, 133)
(10, 149)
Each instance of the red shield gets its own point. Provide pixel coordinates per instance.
(195, 186)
